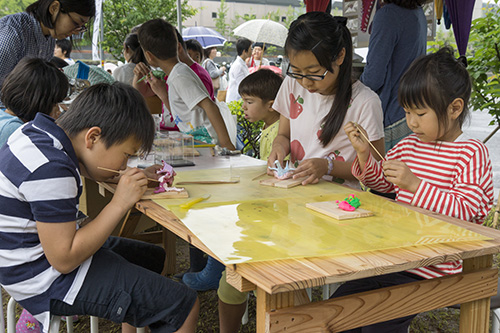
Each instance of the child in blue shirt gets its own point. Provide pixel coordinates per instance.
(47, 263)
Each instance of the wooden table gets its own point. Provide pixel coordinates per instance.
(283, 305)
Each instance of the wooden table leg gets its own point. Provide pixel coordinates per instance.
(169, 240)
(475, 315)
(267, 302)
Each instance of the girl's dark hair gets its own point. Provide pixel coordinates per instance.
(410, 4)
(118, 109)
(132, 42)
(208, 50)
(40, 9)
(434, 81)
(34, 85)
(325, 36)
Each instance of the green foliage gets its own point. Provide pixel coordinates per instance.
(443, 38)
(8, 7)
(122, 15)
(247, 131)
(484, 66)
(220, 21)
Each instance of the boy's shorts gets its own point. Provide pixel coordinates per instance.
(229, 294)
(118, 287)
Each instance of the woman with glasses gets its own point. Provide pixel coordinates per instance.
(318, 97)
(33, 33)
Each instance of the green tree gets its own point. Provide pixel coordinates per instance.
(122, 15)
(220, 21)
(484, 66)
(8, 7)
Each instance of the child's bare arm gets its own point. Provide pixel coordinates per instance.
(281, 143)
(66, 248)
(217, 122)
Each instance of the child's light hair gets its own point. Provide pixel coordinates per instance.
(434, 81)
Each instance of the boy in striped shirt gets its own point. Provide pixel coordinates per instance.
(50, 265)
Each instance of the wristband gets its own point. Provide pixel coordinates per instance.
(330, 164)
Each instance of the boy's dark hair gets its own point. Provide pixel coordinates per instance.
(193, 44)
(118, 109)
(34, 85)
(263, 84)
(434, 81)
(242, 44)
(325, 36)
(40, 9)
(132, 42)
(65, 45)
(158, 37)
(58, 62)
(410, 4)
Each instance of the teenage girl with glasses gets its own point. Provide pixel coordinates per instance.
(318, 97)
(33, 33)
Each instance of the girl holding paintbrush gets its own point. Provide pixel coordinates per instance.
(436, 168)
(318, 97)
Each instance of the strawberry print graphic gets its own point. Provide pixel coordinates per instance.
(296, 107)
(338, 157)
(297, 151)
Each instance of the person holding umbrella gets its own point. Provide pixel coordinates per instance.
(33, 33)
(239, 69)
(257, 58)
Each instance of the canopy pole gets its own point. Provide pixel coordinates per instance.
(179, 17)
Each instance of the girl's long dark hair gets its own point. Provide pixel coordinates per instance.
(132, 42)
(40, 9)
(325, 36)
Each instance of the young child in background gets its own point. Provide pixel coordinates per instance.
(195, 50)
(72, 270)
(437, 168)
(63, 50)
(258, 91)
(46, 86)
(193, 109)
(318, 97)
(132, 52)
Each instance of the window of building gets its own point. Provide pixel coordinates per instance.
(214, 15)
(283, 18)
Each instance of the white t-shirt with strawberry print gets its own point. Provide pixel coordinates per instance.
(306, 112)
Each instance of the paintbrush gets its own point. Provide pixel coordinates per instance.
(367, 140)
(119, 172)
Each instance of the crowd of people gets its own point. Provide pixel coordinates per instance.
(408, 104)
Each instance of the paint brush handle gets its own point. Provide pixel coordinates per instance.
(119, 172)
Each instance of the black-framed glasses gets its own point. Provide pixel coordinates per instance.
(311, 77)
(78, 27)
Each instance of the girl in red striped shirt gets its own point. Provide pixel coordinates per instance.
(437, 167)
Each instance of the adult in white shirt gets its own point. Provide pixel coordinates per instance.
(239, 69)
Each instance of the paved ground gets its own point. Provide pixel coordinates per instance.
(478, 128)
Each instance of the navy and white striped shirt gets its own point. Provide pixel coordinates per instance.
(21, 36)
(39, 181)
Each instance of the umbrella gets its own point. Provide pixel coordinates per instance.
(264, 31)
(438, 8)
(206, 36)
(461, 18)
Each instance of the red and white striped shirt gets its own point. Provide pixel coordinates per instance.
(457, 180)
